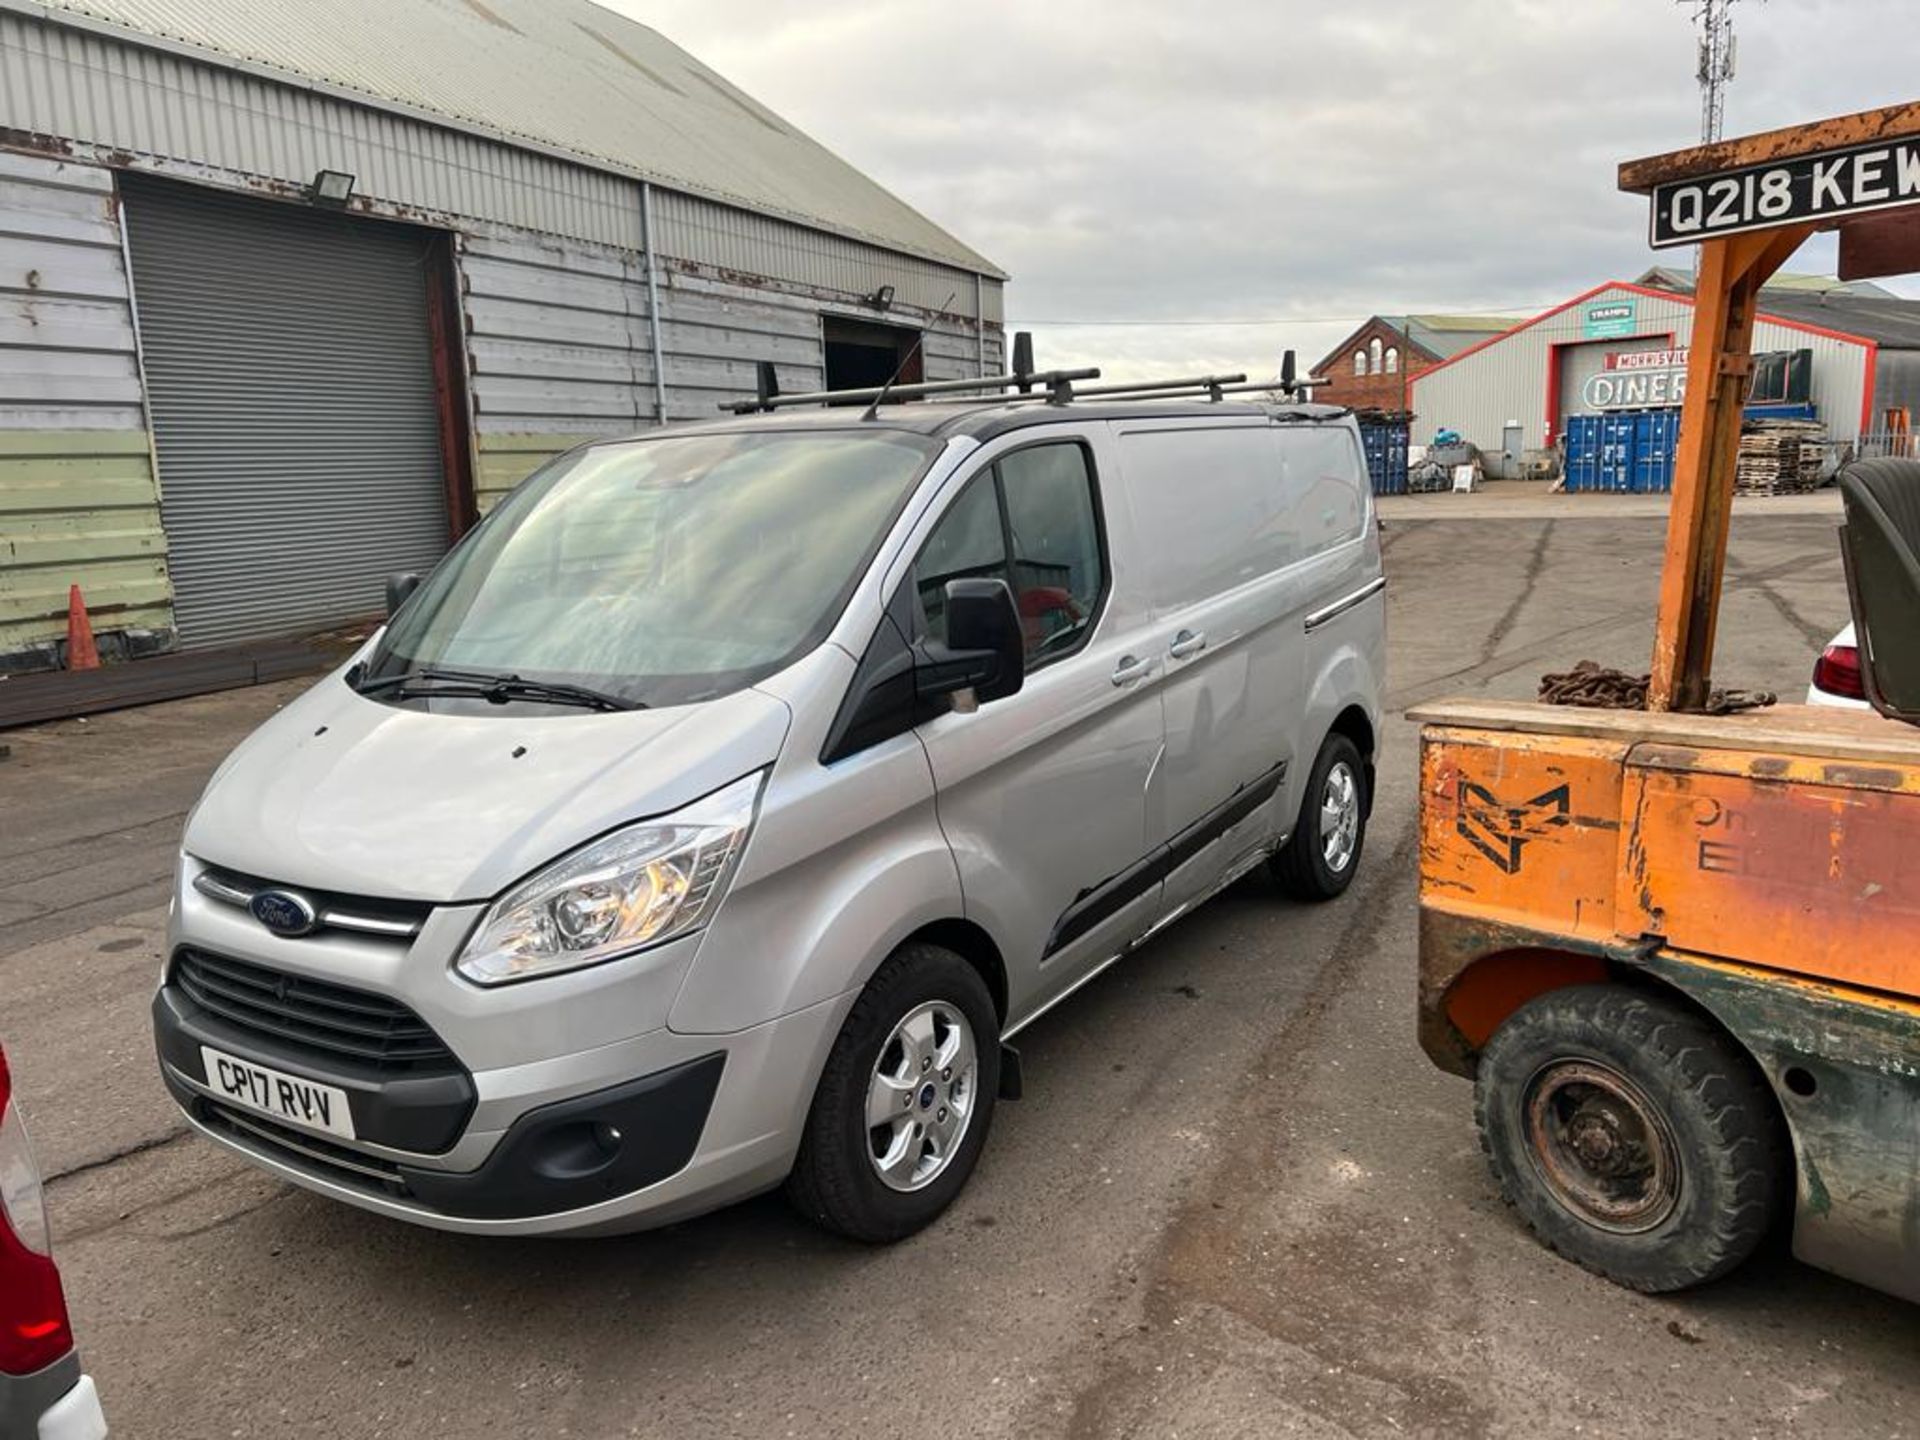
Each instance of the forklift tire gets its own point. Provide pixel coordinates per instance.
(1632, 1135)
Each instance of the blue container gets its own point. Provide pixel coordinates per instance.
(1385, 443)
(1633, 450)
(1656, 437)
(1583, 452)
(1626, 451)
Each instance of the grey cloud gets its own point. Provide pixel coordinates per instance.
(1152, 161)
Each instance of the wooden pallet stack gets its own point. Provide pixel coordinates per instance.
(1779, 457)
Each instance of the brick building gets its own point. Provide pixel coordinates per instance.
(1371, 368)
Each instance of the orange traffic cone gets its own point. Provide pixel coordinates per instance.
(81, 654)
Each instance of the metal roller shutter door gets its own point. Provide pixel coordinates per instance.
(290, 377)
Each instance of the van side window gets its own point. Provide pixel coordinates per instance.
(1036, 505)
(1058, 573)
(968, 543)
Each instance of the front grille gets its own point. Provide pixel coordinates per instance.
(322, 1018)
(385, 919)
(306, 1152)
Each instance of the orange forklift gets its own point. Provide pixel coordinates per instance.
(1678, 952)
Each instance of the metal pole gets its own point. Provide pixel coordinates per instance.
(653, 304)
(980, 322)
(1719, 363)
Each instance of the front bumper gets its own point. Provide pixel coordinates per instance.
(565, 1155)
(718, 1119)
(513, 1134)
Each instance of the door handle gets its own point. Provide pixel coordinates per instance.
(1130, 669)
(1187, 642)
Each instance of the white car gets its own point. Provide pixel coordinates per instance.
(1836, 675)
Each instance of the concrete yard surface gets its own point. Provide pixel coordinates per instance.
(1236, 1201)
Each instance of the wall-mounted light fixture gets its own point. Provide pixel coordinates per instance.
(331, 187)
(881, 299)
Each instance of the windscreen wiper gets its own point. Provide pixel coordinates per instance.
(496, 689)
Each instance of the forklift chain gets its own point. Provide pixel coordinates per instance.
(1598, 688)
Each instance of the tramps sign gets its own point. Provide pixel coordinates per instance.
(1809, 187)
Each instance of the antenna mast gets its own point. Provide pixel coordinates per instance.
(1714, 19)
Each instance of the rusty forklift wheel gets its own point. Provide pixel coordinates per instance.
(1632, 1135)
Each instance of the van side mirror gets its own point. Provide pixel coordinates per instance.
(985, 650)
(399, 586)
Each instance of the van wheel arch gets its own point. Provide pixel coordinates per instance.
(1354, 723)
(973, 944)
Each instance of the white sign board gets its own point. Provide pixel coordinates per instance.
(1638, 380)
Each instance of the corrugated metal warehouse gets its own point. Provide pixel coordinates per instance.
(1559, 364)
(292, 290)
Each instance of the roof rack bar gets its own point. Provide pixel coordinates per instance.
(1170, 390)
(1141, 387)
(1059, 385)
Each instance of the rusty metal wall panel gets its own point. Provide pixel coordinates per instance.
(150, 109)
(558, 338)
(560, 345)
(78, 503)
(67, 356)
(199, 120)
(157, 107)
(295, 419)
(756, 245)
(561, 76)
(739, 324)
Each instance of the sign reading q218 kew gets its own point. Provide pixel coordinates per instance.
(1807, 187)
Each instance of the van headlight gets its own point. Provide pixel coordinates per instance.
(625, 891)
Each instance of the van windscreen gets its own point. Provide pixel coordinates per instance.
(662, 571)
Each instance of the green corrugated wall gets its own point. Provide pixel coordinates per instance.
(507, 459)
(79, 507)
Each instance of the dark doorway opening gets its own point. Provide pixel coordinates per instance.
(861, 355)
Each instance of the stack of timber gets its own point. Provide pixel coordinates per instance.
(1779, 457)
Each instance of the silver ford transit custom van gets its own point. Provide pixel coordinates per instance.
(715, 812)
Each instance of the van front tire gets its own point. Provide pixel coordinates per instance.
(905, 1101)
(1319, 859)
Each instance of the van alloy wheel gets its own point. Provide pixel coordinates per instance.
(920, 1098)
(1322, 855)
(1340, 817)
(881, 1157)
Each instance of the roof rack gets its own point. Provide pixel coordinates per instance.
(1057, 385)
(1215, 393)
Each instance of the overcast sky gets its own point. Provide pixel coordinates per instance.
(1299, 164)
